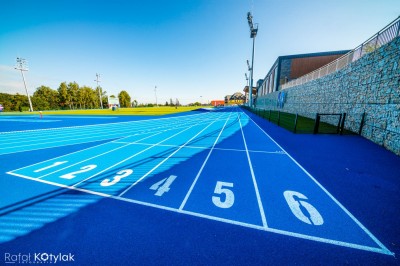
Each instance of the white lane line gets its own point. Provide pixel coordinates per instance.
(202, 167)
(98, 155)
(94, 147)
(63, 142)
(101, 125)
(81, 130)
(202, 147)
(89, 131)
(163, 161)
(385, 250)
(120, 162)
(252, 226)
(33, 139)
(61, 156)
(260, 205)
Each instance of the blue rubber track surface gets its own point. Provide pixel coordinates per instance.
(221, 187)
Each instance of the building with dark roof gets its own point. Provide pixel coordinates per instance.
(236, 98)
(246, 93)
(290, 67)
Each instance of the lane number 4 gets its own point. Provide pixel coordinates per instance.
(163, 186)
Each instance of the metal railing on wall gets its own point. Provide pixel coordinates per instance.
(383, 37)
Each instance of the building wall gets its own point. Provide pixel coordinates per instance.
(291, 67)
(303, 66)
(370, 84)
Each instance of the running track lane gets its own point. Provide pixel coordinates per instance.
(225, 169)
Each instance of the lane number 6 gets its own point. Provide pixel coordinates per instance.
(303, 210)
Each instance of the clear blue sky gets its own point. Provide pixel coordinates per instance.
(193, 50)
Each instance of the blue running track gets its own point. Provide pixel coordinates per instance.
(201, 188)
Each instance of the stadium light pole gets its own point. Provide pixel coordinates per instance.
(253, 34)
(247, 80)
(97, 81)
(22, 66)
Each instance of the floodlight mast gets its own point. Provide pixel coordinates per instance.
(253, 34)
(97, 81)
(22, 66)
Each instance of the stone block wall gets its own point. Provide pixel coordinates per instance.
(370, 85)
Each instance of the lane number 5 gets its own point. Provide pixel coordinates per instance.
(222, 188)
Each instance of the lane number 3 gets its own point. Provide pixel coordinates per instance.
(121, 174)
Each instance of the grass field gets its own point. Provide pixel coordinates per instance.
(304, 125)
(162, 110)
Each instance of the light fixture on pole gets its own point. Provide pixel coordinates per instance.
(22, 65)
(253, 34)
(97, 81)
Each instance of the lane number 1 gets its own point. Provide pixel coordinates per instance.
(50, 166)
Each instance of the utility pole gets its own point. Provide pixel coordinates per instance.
(97, 81)
(253, 34)
(22, 65)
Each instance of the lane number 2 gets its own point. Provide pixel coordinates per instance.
(83, 169)
(222, 188)
(303, 210)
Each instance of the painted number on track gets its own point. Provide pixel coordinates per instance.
(226, 201)
(121, 174)
(303, 210)
(163, 186)
(83, 169)
(50, 166)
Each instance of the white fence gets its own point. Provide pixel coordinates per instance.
(384, 36)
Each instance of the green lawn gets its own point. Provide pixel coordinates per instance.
(303, 125)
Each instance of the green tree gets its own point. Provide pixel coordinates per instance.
(63, 98)
(7, 101)
(124, 99)
(45, 98)
(20, 103)
(73, 89)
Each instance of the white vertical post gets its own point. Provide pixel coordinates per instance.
(21, 65)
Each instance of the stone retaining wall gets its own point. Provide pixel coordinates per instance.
(370, 85)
